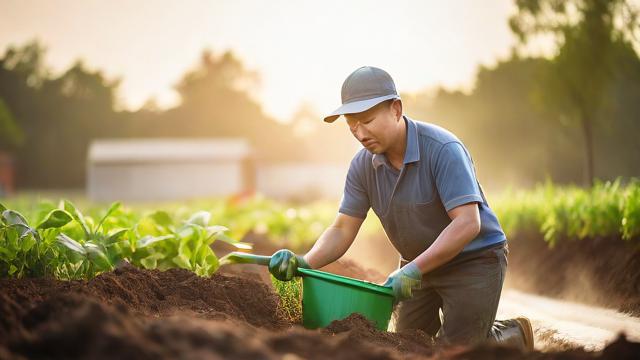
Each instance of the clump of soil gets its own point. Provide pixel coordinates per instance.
(358, 328)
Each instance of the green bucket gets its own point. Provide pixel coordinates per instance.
(327, 297)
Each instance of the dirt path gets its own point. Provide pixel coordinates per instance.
(562, 324)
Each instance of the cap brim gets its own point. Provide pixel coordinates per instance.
(357, 107)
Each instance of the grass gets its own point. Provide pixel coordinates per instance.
(290, 293)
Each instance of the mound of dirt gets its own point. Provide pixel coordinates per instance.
(71, 326)
(358, 328)
(602, 271)
(142, 314)
(151, 293)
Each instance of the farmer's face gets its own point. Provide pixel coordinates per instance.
(377, 128)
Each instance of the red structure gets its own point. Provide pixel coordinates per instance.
(6, 174)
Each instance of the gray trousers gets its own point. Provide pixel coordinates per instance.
(467, 291)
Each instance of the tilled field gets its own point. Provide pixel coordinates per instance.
(132, 313)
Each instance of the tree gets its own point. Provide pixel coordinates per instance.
(59, 116)
(583, 70)
(217, 101)
(11, 136)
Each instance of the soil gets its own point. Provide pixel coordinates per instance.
(590, 270)
(140, 314)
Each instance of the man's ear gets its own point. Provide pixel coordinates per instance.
(396, 109)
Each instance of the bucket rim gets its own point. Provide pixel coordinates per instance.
(366, 285)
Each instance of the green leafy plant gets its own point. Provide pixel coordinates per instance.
(26, 250)
(90, 248)
(161, 244)
(563, 213)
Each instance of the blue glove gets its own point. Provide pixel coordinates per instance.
(284, 264)
(403, 280)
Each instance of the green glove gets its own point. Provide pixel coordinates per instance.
(403, 280)
(284, 264)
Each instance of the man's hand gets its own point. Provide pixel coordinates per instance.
(284, 264)
(403, 280)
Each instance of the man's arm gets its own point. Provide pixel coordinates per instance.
(464, 227)
(334, 241)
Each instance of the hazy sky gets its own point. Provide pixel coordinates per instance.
(303, 50)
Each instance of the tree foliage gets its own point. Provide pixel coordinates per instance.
(590, 37)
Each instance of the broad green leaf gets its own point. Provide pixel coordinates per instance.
(182, 261)
(27, 242)
(115, 236)
(12, 269)
(12, 217)
(7, 254)
(190, 231)
(183, 248)
(216, 229)
(77, 216)
(162, 218)
(213, 263)
(115, 206)
(71, 244)
(55, 219)
(97, 256)
(151, 261)
(200, 218)
(147, 226)
(22, 230)
(213, 232)
(148, 240)
(42, 210)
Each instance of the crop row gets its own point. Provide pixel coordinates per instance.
(64, 243)
(41, 238)
(557, 213)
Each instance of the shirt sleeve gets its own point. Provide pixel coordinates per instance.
(455, 177)
(355, 201)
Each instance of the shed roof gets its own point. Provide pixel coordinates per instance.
(167, 150)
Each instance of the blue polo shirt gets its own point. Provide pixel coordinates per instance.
(437, 175)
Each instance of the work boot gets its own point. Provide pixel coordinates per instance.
(527, 331)
(515, 333)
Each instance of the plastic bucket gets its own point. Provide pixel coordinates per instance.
(327, 297)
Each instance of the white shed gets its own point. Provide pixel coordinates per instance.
(168, 169)
(301, 180)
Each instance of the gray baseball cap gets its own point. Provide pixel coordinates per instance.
(363, 89)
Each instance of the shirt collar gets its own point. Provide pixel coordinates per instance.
(411, 153)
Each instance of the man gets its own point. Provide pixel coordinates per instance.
(421, 182)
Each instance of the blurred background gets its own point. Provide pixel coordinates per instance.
(156, 101)
(176, 107)
(110, 97)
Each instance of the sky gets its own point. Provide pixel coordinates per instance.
(302, 50)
